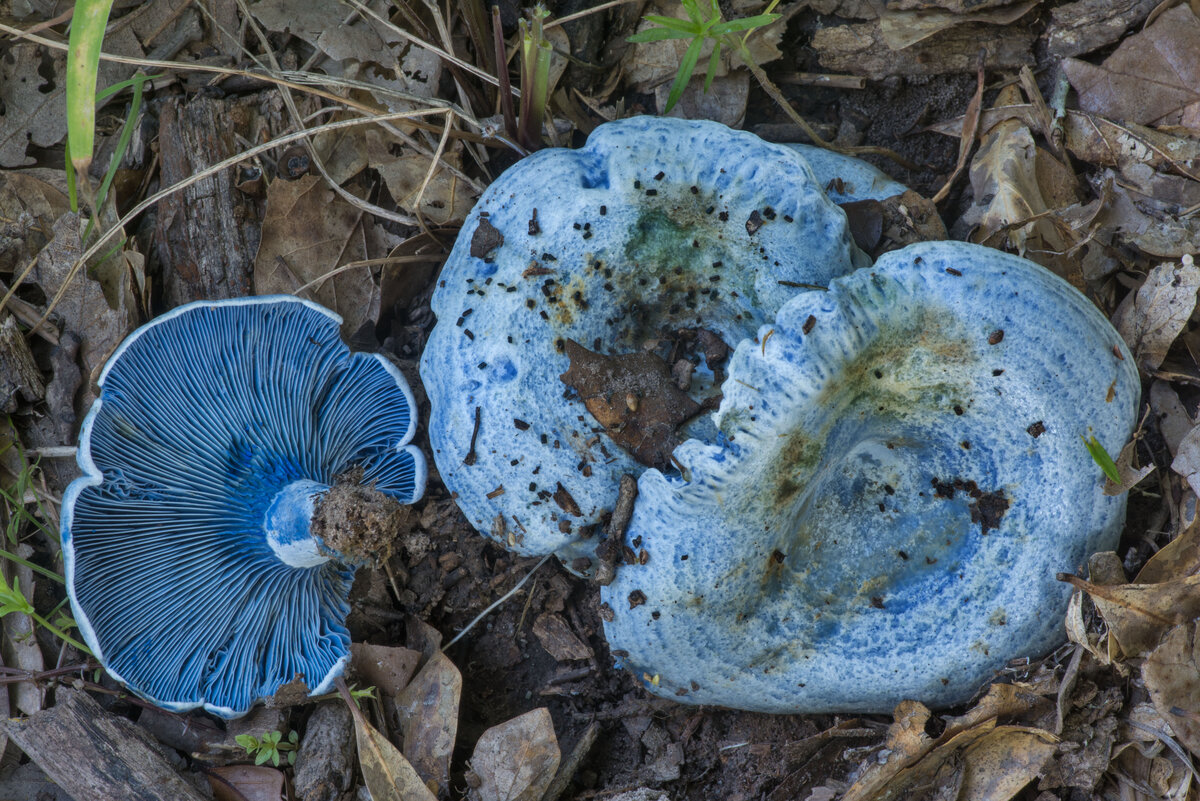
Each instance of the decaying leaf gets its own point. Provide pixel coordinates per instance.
(724, 101)
(557, 638)
(1153, 77)
(446, 198)
(386, 668)
(28, 208)
(1172, 418)
(1187, 460)
(307, 232)
(387, 774)
(34, 106)
(1138, 614)
(904, 28)
(1172, 675)
(326, 27)
(516, 760)
(428, 710)
(634, 396)
(246, 783)
(1086, 25)
(1151, 320)
(860, 49)
(1128, 475)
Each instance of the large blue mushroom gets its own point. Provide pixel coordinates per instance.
(656, 225)
(899, 477)
(206, 561)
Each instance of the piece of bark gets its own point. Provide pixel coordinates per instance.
(19, 375)
(325, 763)
(1086, 25)
(860, 49)
(204, 242)
(93, 754)
(557, 638)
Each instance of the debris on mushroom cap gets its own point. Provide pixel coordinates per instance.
(880, 521)
(656, 225)
(846, 179)
(189, 562)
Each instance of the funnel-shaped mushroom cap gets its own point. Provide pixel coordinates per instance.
(901, 478)
(189, 564)
(656, 224)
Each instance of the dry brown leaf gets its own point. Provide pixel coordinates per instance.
(1153, 77)
(1000, 764)
(1086, 25)
(1172, 675)
(28, 208)
(386, 773)
(1177, 559)
(386, 668)
(446, 200)
(323, 26)
(1130, 476)
(307, 232)
(901, 29)
(859, 49)
(1172, 418)
(428, 709)
(967, 139)
(246, 783)
(557, 638)
(725, 101)
(34, 110)
(1151, 320)
(516, 760)
(1187, 459)
(1138, 614)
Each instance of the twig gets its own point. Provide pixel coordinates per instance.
(497, 602)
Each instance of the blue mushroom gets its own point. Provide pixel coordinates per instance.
(655, 225)
(899, 476)
(221, 432)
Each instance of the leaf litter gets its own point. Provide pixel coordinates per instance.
(1101, 188)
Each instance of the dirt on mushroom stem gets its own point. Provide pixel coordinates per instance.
(356, 523)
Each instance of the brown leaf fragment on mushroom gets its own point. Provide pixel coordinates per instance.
(246, 783)
(603, 383)
(1153, 77)
(1172, 675)
(517, 760)
(428, 710)
(486, 239)
(293, 693)
(1150, 320)
(307, 232)
(558, 639)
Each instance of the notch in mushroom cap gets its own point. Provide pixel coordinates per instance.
(900, 479)
(219, 431)
(655, 225)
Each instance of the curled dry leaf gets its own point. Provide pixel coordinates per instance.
(388, 669)
(1138, 614)
(386, 773)
(1151, 320)
(1172, 675)
(1187, 459)
(903, 29)
(516, 760)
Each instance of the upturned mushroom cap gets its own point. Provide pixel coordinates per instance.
(846, 179)
(656, 224)
(901, 476)
(189, 562)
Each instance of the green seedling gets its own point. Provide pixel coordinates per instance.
(13, 600)
(535, 49)
(271, 747)
(1101, 457)
(701, 28)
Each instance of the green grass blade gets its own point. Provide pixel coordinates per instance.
(713, 62)
(114, 164)
(686, 68)
(674, 24)
(83, 65)
(657, 35)
(743, 24)
(1101, 457)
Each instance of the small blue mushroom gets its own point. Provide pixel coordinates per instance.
(191, 565)
(655, 225)
(900, 475)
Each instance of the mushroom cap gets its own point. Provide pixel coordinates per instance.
(217, 426)
(900, 477)
(654, 224)
(846, 179)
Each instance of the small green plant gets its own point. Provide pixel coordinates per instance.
(526, 128)
(13, 600)
(701, 28)
(1101, 457)
(271, 747)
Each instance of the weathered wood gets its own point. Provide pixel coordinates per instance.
(1086, 25)
(93, 754)
(860, 49)
(325, 764)
(204, 242)
(19, 375)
